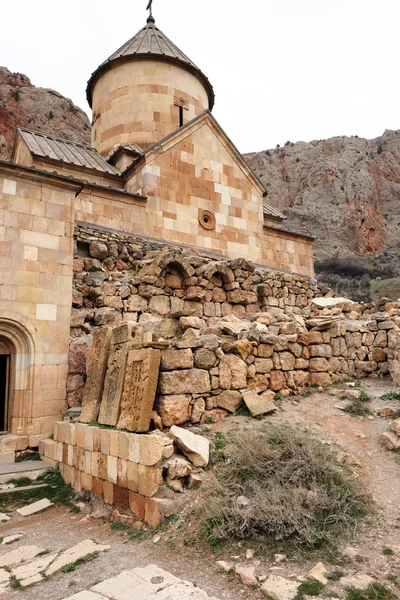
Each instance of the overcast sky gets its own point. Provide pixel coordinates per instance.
(281, 69)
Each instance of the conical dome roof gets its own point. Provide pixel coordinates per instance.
(150, 43)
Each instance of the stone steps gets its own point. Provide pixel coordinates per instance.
(26, 468)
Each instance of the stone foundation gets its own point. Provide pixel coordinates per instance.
(120, 468)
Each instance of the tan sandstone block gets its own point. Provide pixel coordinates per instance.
(151, 449)
(150, 479)
(133, 476)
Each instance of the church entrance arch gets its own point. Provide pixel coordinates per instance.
(7, 364)
(17, 359)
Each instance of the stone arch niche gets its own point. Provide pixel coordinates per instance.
(19, 338)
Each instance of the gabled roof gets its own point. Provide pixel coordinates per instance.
(270, 211)
(72, 153)
(150, 43)
(267, 208)
(131, 149)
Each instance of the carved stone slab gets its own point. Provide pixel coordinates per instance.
(114, 383)
(96, 370)
(139, 391)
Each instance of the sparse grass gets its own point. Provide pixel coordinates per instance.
(21, 481)
(391, 396)
(364, 397)
(296, 489)
(70, 567)
(28, 456)
(357, 408)
(118, 527)
(242, 411)
(336, 575)
(14, 583)
(220, 443)
(375, 591)
(55, 489)
(190, 540)
(309, 588)
(387, 552)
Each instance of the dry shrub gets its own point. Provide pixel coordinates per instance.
(294, 486)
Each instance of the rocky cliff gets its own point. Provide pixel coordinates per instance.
(345, 191)
(24, 105)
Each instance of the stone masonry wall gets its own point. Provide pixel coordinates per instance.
(121, 468)
(224, 327)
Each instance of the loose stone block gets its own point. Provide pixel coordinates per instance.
(229, 400)
(195, 447)
(96, 366)
(36, 507)
(258, 405)
(139, 389)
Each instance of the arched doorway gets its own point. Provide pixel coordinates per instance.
(7, 358)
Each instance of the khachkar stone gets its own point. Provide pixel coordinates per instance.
(114, 381)
(96, 372)
(140, 387)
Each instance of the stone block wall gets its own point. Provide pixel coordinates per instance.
(120, 468)
(118, 277)
(36, 250)
(223, 327)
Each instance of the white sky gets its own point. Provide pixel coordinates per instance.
(281, 69)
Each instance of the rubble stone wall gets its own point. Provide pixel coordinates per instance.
(223, 326)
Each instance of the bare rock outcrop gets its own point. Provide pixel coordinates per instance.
(24, 105)
(344, 191)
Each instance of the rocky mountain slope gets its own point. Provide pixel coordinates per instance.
(345, 191)
(24, 105)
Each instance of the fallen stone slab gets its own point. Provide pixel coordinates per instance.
(195, 447)
(32, 572)
(4, 518)
(77, 552)
(279, 588)
(10, 539)
(20, 555)
(182, 591)
(138, 583)
(34, 508)
(258, 405)
(86, 596)
(4, 576)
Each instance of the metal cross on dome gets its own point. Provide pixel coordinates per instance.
(149, 7)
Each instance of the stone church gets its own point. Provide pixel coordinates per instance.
(160, 169)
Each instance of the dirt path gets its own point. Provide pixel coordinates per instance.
(378, 469)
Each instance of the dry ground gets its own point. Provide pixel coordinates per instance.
(179, 551)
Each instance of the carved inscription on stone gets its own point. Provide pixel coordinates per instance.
(96, 371)
(113, 385)
(139, 390)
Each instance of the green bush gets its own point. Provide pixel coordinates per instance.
(295, 488)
